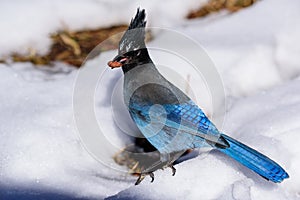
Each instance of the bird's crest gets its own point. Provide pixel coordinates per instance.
(134, 37)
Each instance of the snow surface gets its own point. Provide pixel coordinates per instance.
(255, 50)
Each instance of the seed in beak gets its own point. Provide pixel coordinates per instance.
(114, 64)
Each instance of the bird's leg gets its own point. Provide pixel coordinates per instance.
(173, 169)
(142, 177)
(151, 174)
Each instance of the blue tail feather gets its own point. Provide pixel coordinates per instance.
(254, 160)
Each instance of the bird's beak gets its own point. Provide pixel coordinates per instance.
(117, 62)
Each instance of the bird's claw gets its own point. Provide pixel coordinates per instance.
(173, 170)
(142, 177)
(151, 174)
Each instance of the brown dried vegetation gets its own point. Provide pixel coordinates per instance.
(74, 47)
(217, 5)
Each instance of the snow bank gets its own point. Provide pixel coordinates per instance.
(40, 148)
(259, 43)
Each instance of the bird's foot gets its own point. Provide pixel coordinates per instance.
(173, 169)
(142, 177)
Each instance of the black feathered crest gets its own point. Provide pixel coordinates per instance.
(134, 37)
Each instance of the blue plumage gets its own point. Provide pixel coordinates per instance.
(161, 124)
(168, 118)
(254, 160)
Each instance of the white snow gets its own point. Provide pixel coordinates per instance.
(255, 50)
(260, 43)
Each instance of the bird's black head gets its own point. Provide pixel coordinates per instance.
(130, 59)
(132, 48)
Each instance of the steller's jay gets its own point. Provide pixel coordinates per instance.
(168, 118)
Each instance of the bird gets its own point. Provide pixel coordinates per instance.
(168, 118)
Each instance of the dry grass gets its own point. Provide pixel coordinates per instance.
(73, 47)
(217, 5)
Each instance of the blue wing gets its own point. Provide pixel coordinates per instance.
(174, 127)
